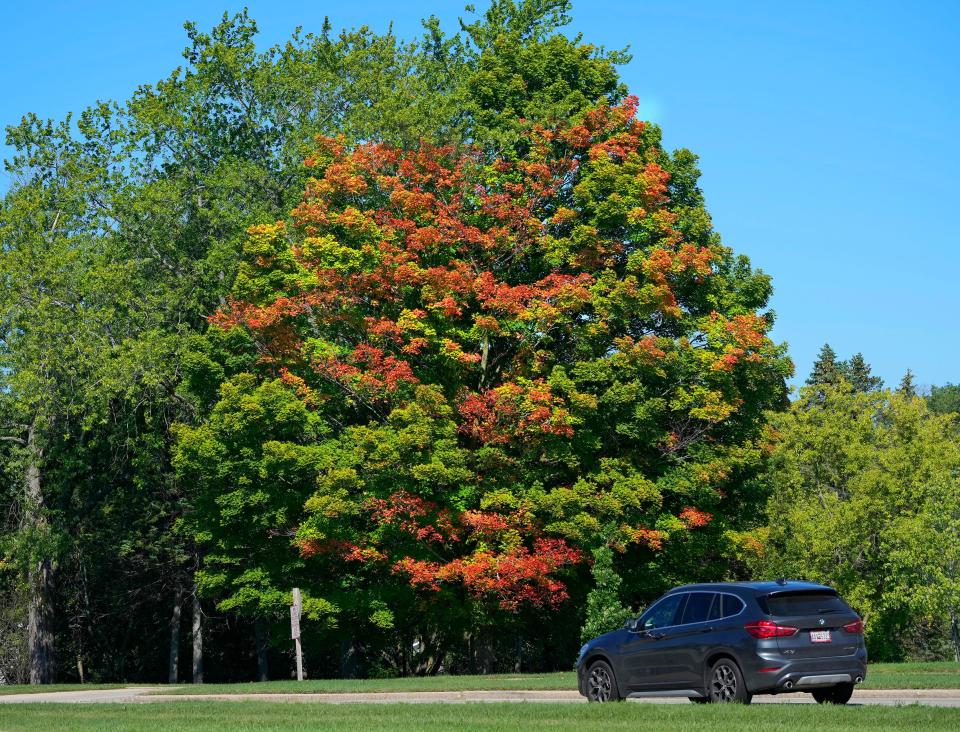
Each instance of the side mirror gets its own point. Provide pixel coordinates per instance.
(631, 624)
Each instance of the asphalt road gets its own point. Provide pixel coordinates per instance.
(926, 697)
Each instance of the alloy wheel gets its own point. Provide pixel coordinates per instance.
(600, 684)
(723, 684)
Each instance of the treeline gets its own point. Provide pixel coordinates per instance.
(864, 494)
(436, 331)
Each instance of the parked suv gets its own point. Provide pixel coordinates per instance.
(725, 642)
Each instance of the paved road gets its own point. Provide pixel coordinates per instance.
(927, 697)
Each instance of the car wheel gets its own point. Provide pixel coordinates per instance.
(601, 684)
(725, 684)
(839, 694)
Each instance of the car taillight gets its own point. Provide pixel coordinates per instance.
(768, 629)
(855, 627)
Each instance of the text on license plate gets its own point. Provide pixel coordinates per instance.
(819, 636)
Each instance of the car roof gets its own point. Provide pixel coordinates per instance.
(760, 588)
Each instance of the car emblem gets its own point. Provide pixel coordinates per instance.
(822, 621)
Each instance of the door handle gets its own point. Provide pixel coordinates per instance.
(707, 630)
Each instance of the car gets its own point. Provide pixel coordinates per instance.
(727, 641)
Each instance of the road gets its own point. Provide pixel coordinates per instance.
(926, 697)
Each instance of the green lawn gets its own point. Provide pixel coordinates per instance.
(879, 676)
(562, 680)
(28, 689)
(942, 675)
(235, 716)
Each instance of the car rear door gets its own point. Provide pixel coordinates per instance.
(694, 637)
(819, 617)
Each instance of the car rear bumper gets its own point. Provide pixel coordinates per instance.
(807, 674)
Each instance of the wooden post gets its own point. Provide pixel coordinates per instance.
(295, 611)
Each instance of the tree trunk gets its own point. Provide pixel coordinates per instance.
(197, 639)
(40, 579)
(174, 661)
(260, 638)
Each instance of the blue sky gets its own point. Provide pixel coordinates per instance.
(829, 134)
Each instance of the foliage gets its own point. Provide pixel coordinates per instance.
(865, 497)
(856, 371)
(501, 356)
(826, 369)
(605, 610)
(907, 386)
(497, 328)
(944, 399)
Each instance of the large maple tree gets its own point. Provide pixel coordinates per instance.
(473, 368)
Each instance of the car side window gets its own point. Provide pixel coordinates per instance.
(716, 608)
(731, 605)
(663, 614)
(698, 607)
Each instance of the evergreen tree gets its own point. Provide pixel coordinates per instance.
(825, 370)
(907, 387)
(857, 371)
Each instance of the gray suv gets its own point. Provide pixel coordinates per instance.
(725, 642)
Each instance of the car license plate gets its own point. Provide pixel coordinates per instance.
(819, 636)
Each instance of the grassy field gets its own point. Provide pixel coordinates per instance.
(27, 689)
(879, 676)
(236, 716)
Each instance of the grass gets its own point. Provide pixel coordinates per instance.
(28, 689)
(879, 676)
(944, 675)
(932, 675)
(254, 715)
(562, 680)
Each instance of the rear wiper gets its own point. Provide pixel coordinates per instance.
(827, 610)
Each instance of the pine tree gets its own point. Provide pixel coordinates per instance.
(604, 610)
(907, 387)
(825, 370)
(857, 371)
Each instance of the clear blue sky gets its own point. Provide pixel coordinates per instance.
(829, 134)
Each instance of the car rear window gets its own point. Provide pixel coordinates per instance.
(805, 603)
(731, 605)
(725, 606)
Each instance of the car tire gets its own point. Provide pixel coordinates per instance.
(839, 694)
(601, 683)
(725, 684)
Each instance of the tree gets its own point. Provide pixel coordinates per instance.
(500, 355)
(857, 371)
(944, 399)
(120, 234)
(907, 386)
(825, 369)
(858, 477)
(605, 610)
